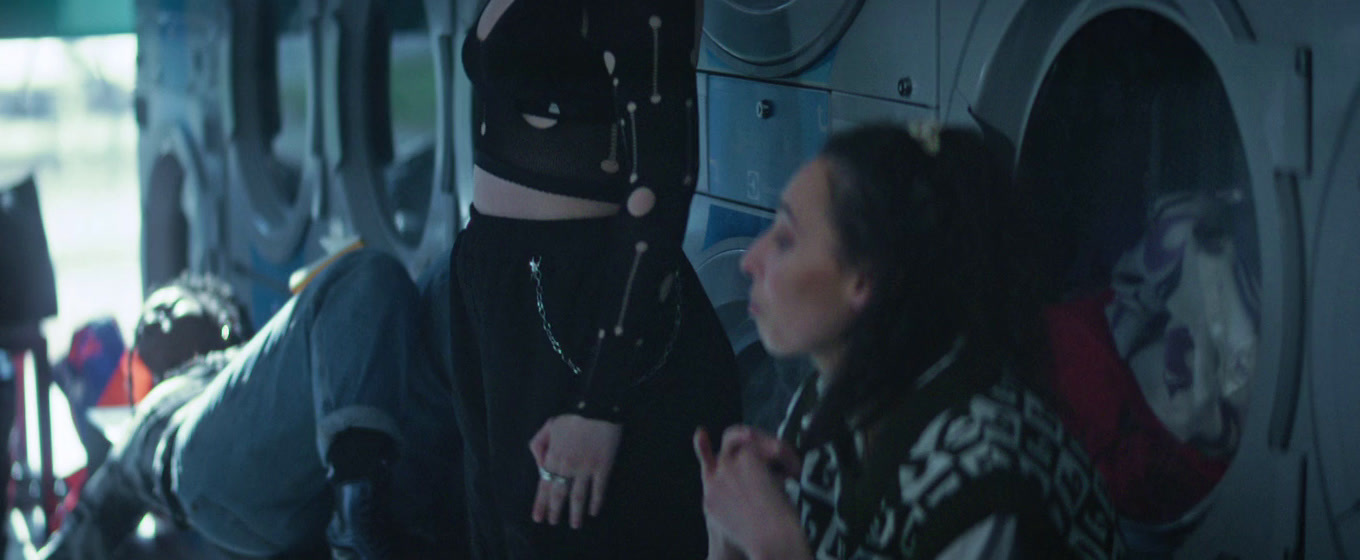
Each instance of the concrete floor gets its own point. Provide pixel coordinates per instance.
(154, 541)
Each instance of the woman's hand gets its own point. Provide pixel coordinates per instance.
(577, 453)
(745, 505)
(720, 546)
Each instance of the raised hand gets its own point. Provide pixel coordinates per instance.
(745, 506)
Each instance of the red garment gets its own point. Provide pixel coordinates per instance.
(1152, 476)
(115, 392)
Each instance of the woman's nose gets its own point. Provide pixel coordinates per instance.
(748, 260)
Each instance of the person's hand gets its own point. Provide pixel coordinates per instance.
(745, 505)
(575, 455)
(720, 546)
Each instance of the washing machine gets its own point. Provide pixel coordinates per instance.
(397, 85)
(276, 191)
(1105, 104)
(1106, 107)
(1333, 502)
(181, 160)
(275, 133)
(340, 125)
(233, 177)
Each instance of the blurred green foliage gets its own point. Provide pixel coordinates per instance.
(413, 94)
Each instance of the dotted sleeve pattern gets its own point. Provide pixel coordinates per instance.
(647, 48)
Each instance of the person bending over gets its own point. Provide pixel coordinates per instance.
(331, 425)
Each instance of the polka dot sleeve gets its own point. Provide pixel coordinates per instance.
(647, 47)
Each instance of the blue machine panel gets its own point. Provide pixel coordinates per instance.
(725, 223)
(758, 135)
(713, 220)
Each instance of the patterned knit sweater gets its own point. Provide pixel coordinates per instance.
(962, 449)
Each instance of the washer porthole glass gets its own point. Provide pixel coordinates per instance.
(408, 179)
(291, 73)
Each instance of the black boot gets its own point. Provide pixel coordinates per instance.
(362, 527)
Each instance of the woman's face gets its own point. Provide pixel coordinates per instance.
(802, 297)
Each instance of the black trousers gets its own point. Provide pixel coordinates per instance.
(508, 379)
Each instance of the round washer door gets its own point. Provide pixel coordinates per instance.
(165, 226)
(1136, 168)
(766, 38)
(396, 167)
(1333, 352)
(767, 384)
(269, 109)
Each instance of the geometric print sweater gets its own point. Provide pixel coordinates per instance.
(963, 449)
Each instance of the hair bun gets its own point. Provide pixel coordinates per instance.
(927, 134)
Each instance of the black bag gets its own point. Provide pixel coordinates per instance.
(28, 288)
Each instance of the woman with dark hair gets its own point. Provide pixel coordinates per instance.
(584, 348)
(895, 264)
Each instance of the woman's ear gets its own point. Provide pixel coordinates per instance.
(858, 290)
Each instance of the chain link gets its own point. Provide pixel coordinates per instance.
(675, 333)
(547, 327)
(536, 273)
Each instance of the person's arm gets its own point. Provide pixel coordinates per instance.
(648, 48)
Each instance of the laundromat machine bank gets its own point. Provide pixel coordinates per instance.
(274, 133)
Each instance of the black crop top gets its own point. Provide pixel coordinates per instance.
(611, 85)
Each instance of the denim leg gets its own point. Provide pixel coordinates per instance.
(363, 344)
(128, 484)
(248, 462)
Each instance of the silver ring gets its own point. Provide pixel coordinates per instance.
(549, 476)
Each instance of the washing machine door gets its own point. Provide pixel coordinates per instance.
(174, 237)
(1333, 352)
(395, 161)
(767, 38)
(269, 117)
(1136, 162)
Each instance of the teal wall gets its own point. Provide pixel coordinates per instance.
(64, 18)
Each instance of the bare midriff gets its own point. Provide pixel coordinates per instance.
(496, 196)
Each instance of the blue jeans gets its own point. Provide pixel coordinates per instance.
(245, 456)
